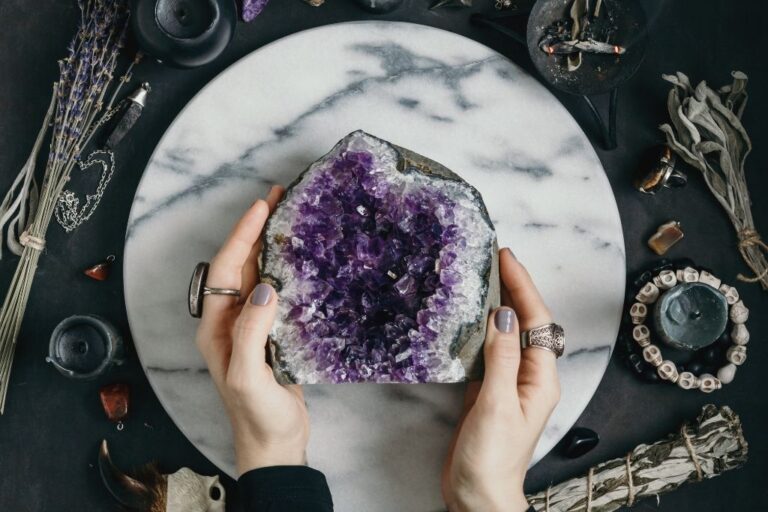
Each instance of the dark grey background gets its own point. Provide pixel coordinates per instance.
(52, 426)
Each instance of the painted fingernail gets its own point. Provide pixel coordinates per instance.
(261, 294)
(504, 319)
(510, 252)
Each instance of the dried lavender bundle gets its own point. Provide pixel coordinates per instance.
(80, 102)
(713, 445)
(707, 133)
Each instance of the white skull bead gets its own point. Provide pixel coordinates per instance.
(687, 380)
(731, 294)
(739, 313)
(736, 354)
(727, 373)
(690, 275)
(708, 383)
(740, 334)
(648, 294)
(707, 278)
(667, 280)
(642, 335)
(652, 355)
(668, 371)
(638, 312)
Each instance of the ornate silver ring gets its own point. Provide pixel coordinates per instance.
(198, 290)
(549, 337)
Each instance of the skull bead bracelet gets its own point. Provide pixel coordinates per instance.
(663, 283)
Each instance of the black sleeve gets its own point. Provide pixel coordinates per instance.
(285, 489)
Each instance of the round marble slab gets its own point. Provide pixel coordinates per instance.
(263, 120)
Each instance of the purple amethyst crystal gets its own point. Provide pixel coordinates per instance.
(386, 266)
(252, 8)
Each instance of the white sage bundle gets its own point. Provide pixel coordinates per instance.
(707, 133)
(711, 446)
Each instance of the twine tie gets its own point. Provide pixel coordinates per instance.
(751, 238)
(630, 483)
(589, 489)
(691, 451)
(33, 242)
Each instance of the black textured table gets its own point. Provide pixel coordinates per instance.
(52, 426)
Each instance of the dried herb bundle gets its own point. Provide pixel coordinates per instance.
(79, 104)
(714, 444)
(707, 133)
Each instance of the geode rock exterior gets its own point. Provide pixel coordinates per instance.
(386, 265)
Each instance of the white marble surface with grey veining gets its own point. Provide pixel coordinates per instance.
(265, 119)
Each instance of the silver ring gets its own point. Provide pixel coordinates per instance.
(549, 337)
(198, 290)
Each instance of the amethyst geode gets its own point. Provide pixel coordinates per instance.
(386, 265)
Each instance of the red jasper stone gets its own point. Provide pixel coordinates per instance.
(115, 399)
(98, 272)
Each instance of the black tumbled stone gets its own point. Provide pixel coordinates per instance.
(642, 279)
(711, 355)
(662, 265)
(578, 441)
(650, 375)
(684, 263)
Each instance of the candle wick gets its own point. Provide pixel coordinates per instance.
(696, 314)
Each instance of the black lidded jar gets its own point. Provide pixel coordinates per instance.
(183, 33)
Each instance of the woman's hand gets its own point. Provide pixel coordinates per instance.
(269, 421)
(504, 414)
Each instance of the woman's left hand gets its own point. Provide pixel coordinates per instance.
(269, 421)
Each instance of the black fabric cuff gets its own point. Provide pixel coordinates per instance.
(285, 489)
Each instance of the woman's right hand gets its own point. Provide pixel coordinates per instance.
(269, 421)
(505, 414)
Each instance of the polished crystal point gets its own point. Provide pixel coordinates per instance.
(386, 266)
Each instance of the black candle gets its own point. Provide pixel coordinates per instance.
(183, 33)
(185, 19)
(691, 316)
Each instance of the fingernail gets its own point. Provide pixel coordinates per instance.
(261, 294)
(510, 252)
(504, 319)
